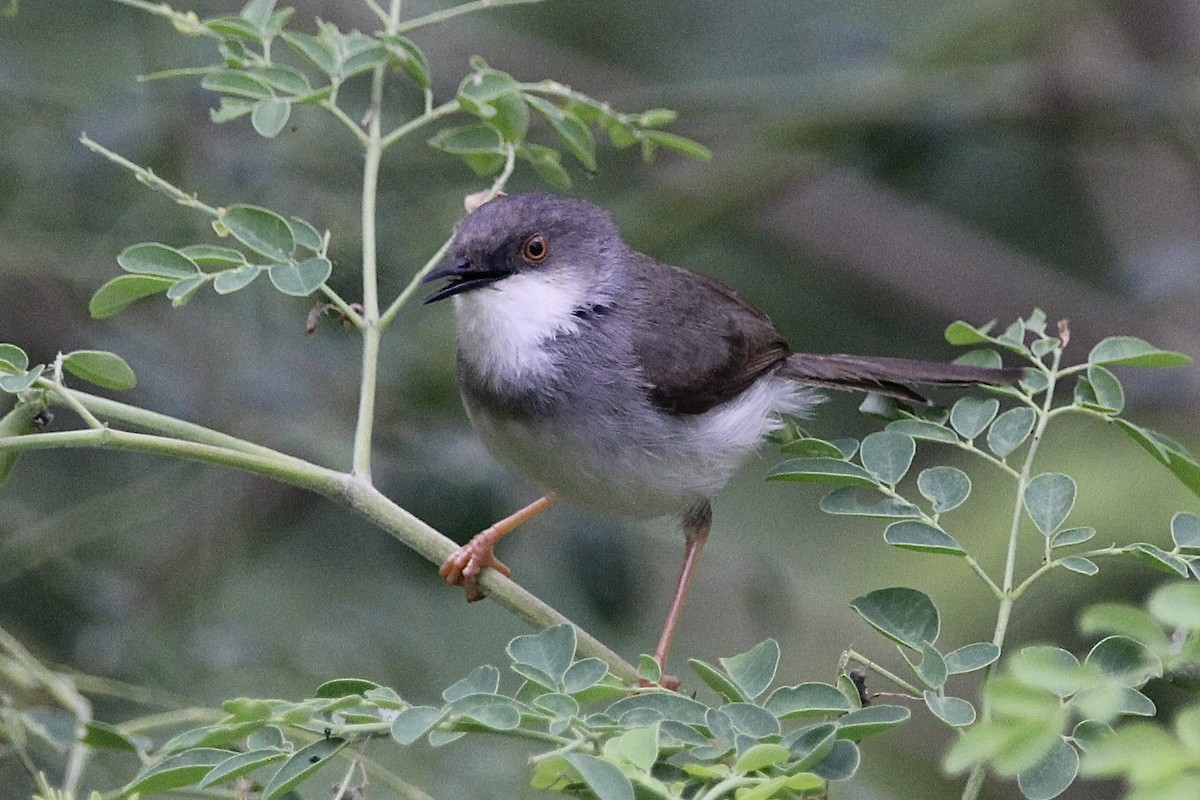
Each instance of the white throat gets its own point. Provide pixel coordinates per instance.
(502, 328)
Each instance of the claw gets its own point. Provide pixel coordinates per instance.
(464, 566)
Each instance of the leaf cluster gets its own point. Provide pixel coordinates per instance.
(597, 737)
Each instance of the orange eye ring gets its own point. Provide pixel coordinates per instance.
(535, 248)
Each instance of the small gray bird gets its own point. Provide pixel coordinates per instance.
(618, 383)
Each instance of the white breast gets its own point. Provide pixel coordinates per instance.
(502, 327)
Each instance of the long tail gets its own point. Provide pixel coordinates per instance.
(889, 376)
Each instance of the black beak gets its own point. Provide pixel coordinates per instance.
(463, 276)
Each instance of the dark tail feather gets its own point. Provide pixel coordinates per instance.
(889, 375)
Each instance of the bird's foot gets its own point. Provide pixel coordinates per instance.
(464, 565)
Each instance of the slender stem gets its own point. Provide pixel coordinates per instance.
(342, 306)
(184, 22)
(884, 672)
(330, 105)
(725, 786)
(1008, 596)
(148, 178)
(1049, 565)
(68, 399)
(436, 258)
(432, 115)
(459, 10)
(987, 579)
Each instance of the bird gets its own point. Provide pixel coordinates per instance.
(618, 383)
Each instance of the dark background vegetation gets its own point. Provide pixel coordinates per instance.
(881, 168)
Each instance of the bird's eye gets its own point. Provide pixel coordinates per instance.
(535, 248)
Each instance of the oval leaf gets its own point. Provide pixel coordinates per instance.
(152, 258)
(183, 769)
(858, 725)
(301, 280)
(903, 615)
(887, 455)
(923, 429)
(1048, 500)
(806, 699)
(263, 231)
(303, 763)
(1052, 774)
(954, 711)
(270, 116)
(1124, 660)
(848, 500)
(550, 651)
(1010, 430)
(970, 415)
(1185, 530)
(122, 290)
(946, 487)
(231, 280)
(602, 777)
(241, 764)
(1084, 566)
(971, 657)
(101, 368)
(1134, 352)
(1177, 605)
(753, 670)
(1070, 536)
(911, 534)
(821, 470)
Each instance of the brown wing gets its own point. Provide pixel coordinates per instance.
(705, 346)
(889, 375)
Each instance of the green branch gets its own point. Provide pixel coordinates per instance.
(456, 11)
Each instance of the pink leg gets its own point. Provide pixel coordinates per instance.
(463, 566)
(696, 524)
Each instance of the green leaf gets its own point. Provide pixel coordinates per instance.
(717, 680)
(313, 49)
(1177, 605)
(1126, 661)
(411, 58)
(583, 675)
(1050, 668)
(954, 711)
(270, 116)
(961, 333)
(345, 687)
(412, 723)
(806, 699)
(887, 455)
(840, 763)
(1185, 528)
(469, 139)
(605, 780)
(550, 651)
(1134, 352)
(263, 231)
(492, 711)
(1159, 558)
(573, 132)
(238, 83)
(911, 534)
(152, 258)
(674, 142)
(233, 27)
(1048, 500)
(305, 235)
(923, 429)
(183, 290)
(13, 358)
(231, 108)
(478, 90)
(183, 769)
(241, 764)
(904, 615)
(810, 745)
(303, 763)
(101, 368)
(638, 747)
(1107, 394)
(848, 500)
(1052, 774)
(751, 720)
(932, 669)
(946, 487)
(970, 415)
(761, 756)
(971, 657)
(1169, 452)
(231, 280)
(15, 384)
(1135, 623)
(100, 735)
(753, 670)
(285, 79)
(482, 680)
(821, 470)
(301, 280)
(667, 705)
(1010, 430)
(858, 725)
(1071, 536)
(548, 164)
(122, 290)
(1088, 732)
(211, 255)
(983, 357)
(810, 447)
(1084, 566)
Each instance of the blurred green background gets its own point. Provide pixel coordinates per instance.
(881, 168)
